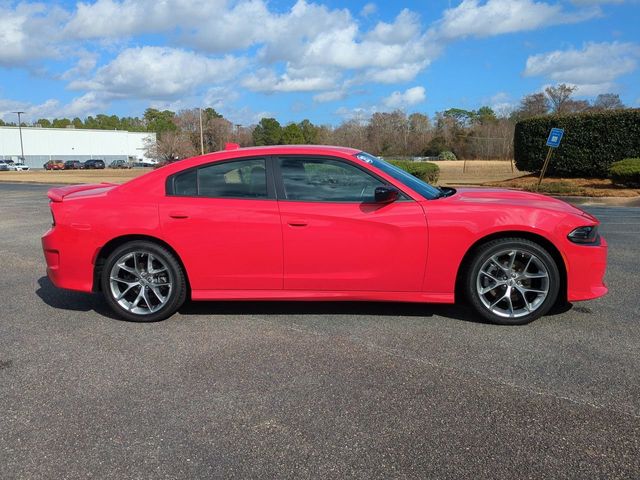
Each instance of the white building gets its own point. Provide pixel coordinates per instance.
(44, 144)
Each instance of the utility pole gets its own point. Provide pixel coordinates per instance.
(20, 129)
(201, 134)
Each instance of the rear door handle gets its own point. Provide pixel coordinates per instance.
(178, 215)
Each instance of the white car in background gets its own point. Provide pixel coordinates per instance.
(19, 167)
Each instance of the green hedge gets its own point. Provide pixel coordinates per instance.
(447, 155)
(428, 172)
(592, 142)
(626, 172)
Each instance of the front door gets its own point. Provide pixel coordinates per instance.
(336, 238)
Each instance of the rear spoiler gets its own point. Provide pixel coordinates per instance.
(58, 193)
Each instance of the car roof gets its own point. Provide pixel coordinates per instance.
(269, 149)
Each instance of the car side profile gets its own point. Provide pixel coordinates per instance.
(318, 223)
(93, 164)
(120, 164)
(73, 165)
(54, 165)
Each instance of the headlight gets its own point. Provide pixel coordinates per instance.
(585, 235)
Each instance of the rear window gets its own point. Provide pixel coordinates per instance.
(234, 179)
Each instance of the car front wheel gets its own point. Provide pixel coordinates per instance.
(143, 282)
(512, 281)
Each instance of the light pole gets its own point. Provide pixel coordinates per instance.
(20, 129)
(201, 134)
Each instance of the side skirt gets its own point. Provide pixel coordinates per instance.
(312, 296)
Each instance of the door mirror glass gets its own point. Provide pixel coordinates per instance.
(386, 194)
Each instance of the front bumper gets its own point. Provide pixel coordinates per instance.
(586, 268)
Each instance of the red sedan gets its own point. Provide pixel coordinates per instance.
(318, 223)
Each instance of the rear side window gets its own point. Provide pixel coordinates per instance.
(236, 179)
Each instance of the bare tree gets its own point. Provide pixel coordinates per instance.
(532, 106)
(559, 96)
(608, 101)
(170, 146)
(575, 106)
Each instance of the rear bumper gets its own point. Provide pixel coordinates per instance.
(68, 266)
(586, 268)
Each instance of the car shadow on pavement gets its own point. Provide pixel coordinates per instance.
(70, 300)
(380, 309)
(85, 302)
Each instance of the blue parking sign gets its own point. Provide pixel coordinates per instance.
(555, 135)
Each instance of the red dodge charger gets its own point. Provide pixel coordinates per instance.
(318, 223)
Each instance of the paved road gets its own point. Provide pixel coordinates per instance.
(298, 390)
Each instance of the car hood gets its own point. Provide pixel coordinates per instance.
(515, 198)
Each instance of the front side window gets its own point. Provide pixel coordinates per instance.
(325, 180)
(236, 179)
(427, 191)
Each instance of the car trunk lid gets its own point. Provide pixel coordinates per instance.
(58, 194)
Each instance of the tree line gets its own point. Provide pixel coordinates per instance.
(456, 132)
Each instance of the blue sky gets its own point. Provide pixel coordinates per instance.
(326, 60)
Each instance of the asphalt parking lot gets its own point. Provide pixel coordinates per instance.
(299, 390)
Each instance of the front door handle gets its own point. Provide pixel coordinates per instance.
(178, 215)
(297, 223)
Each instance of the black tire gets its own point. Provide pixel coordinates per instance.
(482, 257)
(174, 276)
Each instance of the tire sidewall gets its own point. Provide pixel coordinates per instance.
(178, 291)
(491, 248)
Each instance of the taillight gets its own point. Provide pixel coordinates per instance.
(53, 217)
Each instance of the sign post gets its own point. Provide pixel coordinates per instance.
(553, 141)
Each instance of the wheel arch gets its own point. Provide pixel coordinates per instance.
(534, 237)
(114, 243)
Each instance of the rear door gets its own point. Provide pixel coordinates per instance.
(223, 221)
(336, 238)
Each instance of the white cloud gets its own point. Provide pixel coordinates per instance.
(594, 2)
(219, 97)
(309, 36)
(495, 17)
(28, 32)
(330, 96)
(368, 9)
(265, 80)
(81, 106)
(112, 18)
(360, 115)
(409, 97)
(404, 28)
(158, 73)
(593, 69)
(87, 61)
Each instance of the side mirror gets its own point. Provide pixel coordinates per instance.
(386, 194)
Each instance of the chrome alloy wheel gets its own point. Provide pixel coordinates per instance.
(513, 283)
(140, 282)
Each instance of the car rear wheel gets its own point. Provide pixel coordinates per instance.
(512, 281)
(143, 282)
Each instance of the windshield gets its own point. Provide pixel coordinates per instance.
(427, 191)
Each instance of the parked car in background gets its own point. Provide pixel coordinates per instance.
(73, 165)
(318, 223)
(19, 167)
(119, 164)
(4, 166)
(54, 165)
(95, 163)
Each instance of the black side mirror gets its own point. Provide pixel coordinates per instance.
(386, 194)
